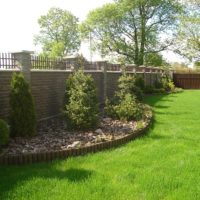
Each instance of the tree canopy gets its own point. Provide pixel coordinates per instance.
(59, 33)
(132, 29)
(188, 39)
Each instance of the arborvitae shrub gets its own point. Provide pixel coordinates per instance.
(126, 84)
(22, 115)
(124, 105)
(126, 109)
(81, 103)
(167, 83)
(139, 82)
(4, 132)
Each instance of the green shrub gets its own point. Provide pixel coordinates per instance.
(158, 84)
(81, 104)
(22, 115)
(126, 84)
(124, 105)
(167, 83)
(139, 82)
(159, 91)
(4, 132)
(126, 109)
(177, 90)
(148, 89)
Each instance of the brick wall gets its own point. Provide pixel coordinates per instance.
(48, 89)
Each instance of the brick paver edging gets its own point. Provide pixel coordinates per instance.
(63, 154)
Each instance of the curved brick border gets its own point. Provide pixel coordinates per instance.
(63, 154)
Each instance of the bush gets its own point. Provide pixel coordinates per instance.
(148, 89)
(4, 132)
(126, 84)
(139, 82)
(22, 115)
(158, 84)
(126, 109)
(81, 104)
(167, 83)
(124, 105)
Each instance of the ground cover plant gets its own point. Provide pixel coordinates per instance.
(162, 165)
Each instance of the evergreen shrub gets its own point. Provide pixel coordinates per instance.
(4, 132)
(81, 103)
(22, 114)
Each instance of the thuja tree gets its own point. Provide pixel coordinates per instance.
(22, 114)
(81, 104)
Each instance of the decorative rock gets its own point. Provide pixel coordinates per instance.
(107, 120)
(75, 144)
(99, 131)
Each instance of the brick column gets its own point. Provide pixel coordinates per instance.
(23, 60)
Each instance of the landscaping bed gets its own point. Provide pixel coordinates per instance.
(54, 135)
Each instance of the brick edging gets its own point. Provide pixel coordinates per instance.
(63, 154)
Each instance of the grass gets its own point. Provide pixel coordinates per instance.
(164, 164)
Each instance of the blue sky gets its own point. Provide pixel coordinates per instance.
(18, 19)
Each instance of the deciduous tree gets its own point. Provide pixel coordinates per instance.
(132, 28)
(59, 33)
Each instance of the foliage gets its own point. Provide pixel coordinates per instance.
(139, 82)
(132, 29)
(4, 132)
(126, 109)
(167, 83)
(164, 164)
(59, 33)
(124, 105)
(81, 104)
(158, 84)
(22, 114)
(127, 84)
(188, 38)
(149, 89)
(155, 60)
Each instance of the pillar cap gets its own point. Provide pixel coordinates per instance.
(23, 51)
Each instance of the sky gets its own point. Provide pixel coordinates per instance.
(18, 19)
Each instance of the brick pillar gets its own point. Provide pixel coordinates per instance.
(104, 69)
(23, 60)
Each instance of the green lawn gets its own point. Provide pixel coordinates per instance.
(164, 164)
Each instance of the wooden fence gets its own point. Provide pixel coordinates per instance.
(7, 61)
(187, 81)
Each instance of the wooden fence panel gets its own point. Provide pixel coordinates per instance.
(187, 81)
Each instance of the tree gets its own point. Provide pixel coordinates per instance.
(155, 60)
(59, 33)
(132, 28)
(22, 113)
(188, 39)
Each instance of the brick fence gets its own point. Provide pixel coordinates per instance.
(48, 86)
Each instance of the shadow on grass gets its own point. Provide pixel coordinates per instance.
(72, 175)
(12, 176)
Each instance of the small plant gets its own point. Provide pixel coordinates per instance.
(139, 82)
(81, 104)
(148, 89)
(22, 115)
(125, 109)
(4, 132)
(158, 84)
(126, 84)
(167, 83)
(124, 105)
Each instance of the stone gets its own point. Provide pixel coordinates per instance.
(74, 144)
(99, 131)
(107, 120)
(126, 129)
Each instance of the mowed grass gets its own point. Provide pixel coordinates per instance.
(164, 164)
